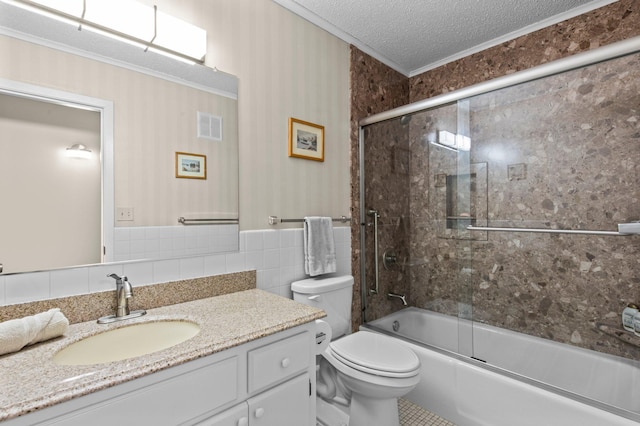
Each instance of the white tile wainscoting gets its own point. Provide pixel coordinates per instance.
(276, 255)
(164, 242)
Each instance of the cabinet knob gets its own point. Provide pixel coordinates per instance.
(259, 413)
(243, 421)
(285, 363)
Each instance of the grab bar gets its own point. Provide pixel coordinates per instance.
(628, 228)
(274, 220)
(375, 215)
(186, 221)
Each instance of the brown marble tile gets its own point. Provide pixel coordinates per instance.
(375, 88)
(563, 166)
(608, 24)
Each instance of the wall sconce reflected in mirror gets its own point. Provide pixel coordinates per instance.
(78, 150)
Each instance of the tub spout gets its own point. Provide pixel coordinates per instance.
(399, 296)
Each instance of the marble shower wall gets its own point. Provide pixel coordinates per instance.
(387, 174)
(561, 152)
(545, 294)
(614, 22)
(374, 88)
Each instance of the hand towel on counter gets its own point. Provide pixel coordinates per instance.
(319, 247)
(17, 333)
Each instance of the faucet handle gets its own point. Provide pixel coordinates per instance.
(116, 277)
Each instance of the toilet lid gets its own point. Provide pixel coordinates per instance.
(376, 354)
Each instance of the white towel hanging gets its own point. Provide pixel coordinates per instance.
(319, 247)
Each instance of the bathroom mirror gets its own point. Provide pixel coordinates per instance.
(51, 156)
(156, 111)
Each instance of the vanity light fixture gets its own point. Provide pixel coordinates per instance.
(78, 150)
(131, 22)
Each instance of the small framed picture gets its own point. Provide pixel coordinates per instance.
(191, 166)
(306, 140)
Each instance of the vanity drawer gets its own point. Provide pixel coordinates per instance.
(277, 361)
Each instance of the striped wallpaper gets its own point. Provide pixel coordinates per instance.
(286, 67)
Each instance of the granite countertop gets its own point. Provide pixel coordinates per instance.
(30, 380)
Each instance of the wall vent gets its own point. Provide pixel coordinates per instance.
(209, 126)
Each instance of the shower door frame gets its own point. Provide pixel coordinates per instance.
(612, 51)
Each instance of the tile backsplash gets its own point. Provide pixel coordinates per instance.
(163, 242)
(276, 255)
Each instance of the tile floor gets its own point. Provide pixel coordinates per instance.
(414, 415)
(410, 415)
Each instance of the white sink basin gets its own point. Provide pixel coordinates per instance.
(126, 342)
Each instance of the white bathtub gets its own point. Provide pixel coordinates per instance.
(599, 389)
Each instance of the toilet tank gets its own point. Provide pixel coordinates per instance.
(331, 294)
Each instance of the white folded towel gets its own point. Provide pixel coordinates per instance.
(17, 333)
(319, 247)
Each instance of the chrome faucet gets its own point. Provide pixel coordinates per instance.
(399, 296)
(124, 292)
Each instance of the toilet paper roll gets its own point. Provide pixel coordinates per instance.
(323, 336)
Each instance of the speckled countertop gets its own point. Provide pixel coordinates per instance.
(30, 380)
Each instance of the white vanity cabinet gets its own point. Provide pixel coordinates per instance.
(285, 405)
(266, 382)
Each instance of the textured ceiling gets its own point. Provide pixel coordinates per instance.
(413, 36)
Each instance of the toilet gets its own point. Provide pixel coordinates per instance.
(361, 373)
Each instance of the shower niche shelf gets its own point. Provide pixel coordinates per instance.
(460, 200)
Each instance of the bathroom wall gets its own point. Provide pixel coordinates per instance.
(574, 138)
(374, 88)
(614, 22)
(567, 288)
(276, 255)
(560, 152)
(287, 67)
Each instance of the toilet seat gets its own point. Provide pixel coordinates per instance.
(375, 354)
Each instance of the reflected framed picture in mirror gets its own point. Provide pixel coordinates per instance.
(191, 166)
(306, 140)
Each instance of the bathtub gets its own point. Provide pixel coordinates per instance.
(512, 379)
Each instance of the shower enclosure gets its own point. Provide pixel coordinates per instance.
(455, 189)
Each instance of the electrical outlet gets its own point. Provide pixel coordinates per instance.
(124, 214)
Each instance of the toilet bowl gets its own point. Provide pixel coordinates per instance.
(377, 371)
(364, 371)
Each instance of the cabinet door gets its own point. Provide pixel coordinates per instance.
(236, 416)
(284, 405)
(166, 403)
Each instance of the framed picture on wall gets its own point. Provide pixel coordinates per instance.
(306, 140)
(191, 166)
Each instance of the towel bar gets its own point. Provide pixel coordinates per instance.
(628, 228)
(274, 220)
(186, 221)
